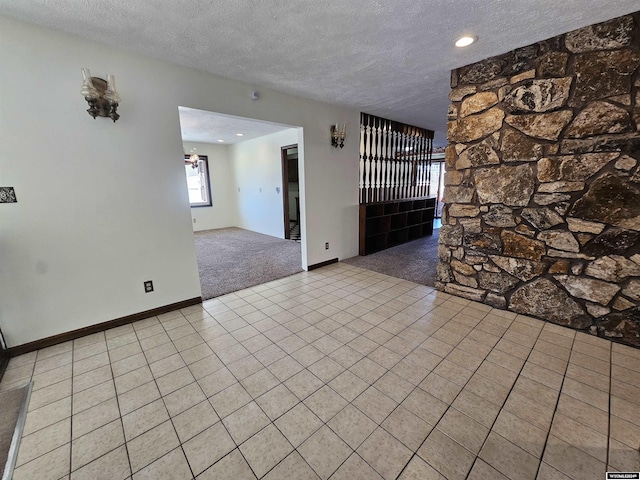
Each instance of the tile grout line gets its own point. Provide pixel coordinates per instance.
(555, 409)
(30, 379)
(113, 379)
(458, 394)
(154, 380)
(356, 317)
(505, 401)
(302, 401)
(174, 345)
(379, 425)
(237, 446)
(119, 411)
(213, 353)
(71, 412)
(271, 422)
(609, 412)
(180, 443)
(110, 364)
(415, 387)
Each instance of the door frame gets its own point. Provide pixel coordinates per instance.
(285, 188)
(4, 356)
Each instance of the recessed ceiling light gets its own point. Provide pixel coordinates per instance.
(465, 41)
(239, 134)
(221, 141)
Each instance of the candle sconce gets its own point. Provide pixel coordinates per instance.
(338, 135)
(101, 95)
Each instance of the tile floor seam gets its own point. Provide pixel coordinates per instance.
(323, 422)
(71, 419)
(450, 405)
(609, 405)
(603, 411)
(237, 446)
(406, 355)
(312, 469)
(126, 442)
(126, 446)
(162, 397)
(295, 449)
(272, 422)
(415, 453)
(462, 389)
(351, 291)
(222, 458)
(555, 410)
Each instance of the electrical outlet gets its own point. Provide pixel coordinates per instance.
(326, 246)
(148, 286)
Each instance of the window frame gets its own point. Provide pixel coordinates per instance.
(205, 161)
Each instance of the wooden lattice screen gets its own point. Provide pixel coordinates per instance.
(395, 160)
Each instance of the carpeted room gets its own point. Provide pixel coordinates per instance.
(239, 199)
(415, 261)
(231, 259)
(250, 183)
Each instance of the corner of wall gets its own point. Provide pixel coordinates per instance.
(542, 195)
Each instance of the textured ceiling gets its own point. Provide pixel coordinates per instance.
(386, 58)
(208, 127)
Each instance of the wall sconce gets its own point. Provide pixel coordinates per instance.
(338, 135)
(102, 97)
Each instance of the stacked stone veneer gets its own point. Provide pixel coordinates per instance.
(542, 195)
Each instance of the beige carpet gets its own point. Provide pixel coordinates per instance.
(11, 404)
(230, 259)
(415, 261)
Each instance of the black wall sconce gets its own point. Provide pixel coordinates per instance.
(102, 97)
(338, 135)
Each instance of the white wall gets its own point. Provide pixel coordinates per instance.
(103, 206)
(223, 212)
(257, 171)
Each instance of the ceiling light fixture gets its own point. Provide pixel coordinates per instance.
(465, 41)
(220, 141)
(193, 158)
(239, 134)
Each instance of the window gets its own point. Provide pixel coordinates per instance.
(198, 181)
(436, 183)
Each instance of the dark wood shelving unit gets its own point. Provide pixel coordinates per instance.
(387, 224)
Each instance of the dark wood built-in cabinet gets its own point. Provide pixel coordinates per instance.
(386, 224)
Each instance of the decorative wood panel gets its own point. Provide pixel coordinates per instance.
(395, 160)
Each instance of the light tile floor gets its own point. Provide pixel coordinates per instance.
(338, 373)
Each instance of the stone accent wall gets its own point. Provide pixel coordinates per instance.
(542, 195)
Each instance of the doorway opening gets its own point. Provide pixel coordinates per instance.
(234, 174)
(436, 187)
(291, 192)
